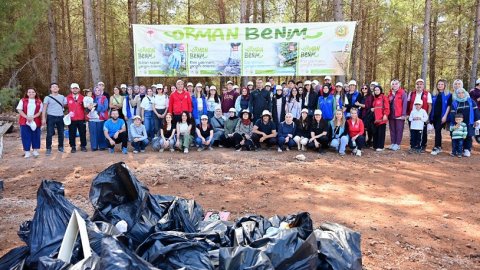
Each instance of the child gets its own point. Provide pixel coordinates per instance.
(459, 133)
(417, 118)
(138, 134)
(87, 101)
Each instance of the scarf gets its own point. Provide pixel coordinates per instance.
(325, 95)
(456, 98)
(127, 102)
(246, 122)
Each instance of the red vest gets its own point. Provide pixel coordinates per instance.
(22, 121)
(412, 100)
(76, 107)
(397, 102)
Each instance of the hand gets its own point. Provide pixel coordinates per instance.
(207, 142)
(372, 109)
(354, 138)
(112, 142)
(311, 140)
(177, 144)
(29, 118)
(444, 119)
(115, 135)
(203, 141)
(230, 135)
(135, 139)
(357, 103)
(242, 142)
(385, 118)
(402, 117)
(44, 122)
(262, 139)
(478, 99)
(247, 136)
(287, 139)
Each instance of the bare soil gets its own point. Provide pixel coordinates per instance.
(413, 211)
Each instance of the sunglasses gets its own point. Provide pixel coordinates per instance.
(364, 88)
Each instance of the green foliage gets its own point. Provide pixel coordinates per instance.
(8, 99)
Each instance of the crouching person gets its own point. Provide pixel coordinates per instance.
(286, 133)
(138, 133)
(319, 133)
(115, 132)
(265, 131)
(356, 132)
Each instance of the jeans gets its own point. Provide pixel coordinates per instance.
(247, 143)
(339, 144)
(416, 139)
(359, 142)
(81, 126)
(423, 143)
(171, 143)
(149, 123)
(128, 123)
(457, 146)
(52, 123)
(122, 138)
(282, 141)
(158, 121)
(30, 139)
(198, 142)
(396, 130)
(218, 136)
(140, 145)
(97, 137)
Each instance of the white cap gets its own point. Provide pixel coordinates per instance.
(198, 85)
(419, 80)
(304, 110)
(266, 112)
(315, 82)
(153, 85)
(137, 117)
(189, 84)
(317, 111)
(123, 85)
(232, 110)
(339, 84)
(100, 83)
(307, 82)
(213, 87)
(374, 83)
(160, 85)
(249, 83)
(418, 101)
(328, 78)
(74, 85)
(230, 82)
(477, 81)
(235, 86)
(204, 117)
(268, 84)
(352, 82)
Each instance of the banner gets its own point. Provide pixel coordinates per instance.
(290, 49)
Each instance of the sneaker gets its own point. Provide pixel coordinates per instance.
(240, 149)
(125, 150)
(321, 151)
(200, 149)
(459, 156)
(220, 146)
(83, 149)
(135, 151)
(111, 150)
(466, 153)
(288, 148)
(342, 154)
(354, 151)
(142, 151)
(35, 153)
(161, 150)
(48, 152)
(299, 147)
(74, 150)
(411, 151)
(303, 148)
(419, 151)
(60, 149)
(27, 154)
(210, 148)
(172, 150)
(185, 151)
(392, 147)
(279, 149)
(422, 150)
(380, 149)
(358, 153)
(396, 147)
(452, 154)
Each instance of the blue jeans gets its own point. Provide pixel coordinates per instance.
(457, 146)
(339, 144)
(52, 123)
(281, 142)
(140, 145)
(97, 137)
(199, 144)
(149, 123)
(30, 139)
(129, 122)
(171, 143)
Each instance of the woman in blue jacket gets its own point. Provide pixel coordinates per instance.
(462, 103)
(286, 133)
(326, 103)
(199, 103)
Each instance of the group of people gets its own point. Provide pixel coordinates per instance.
(304, 114)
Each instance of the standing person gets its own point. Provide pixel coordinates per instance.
(242, 101)
(475, 92)
(381, 110)
(244, 132)
(286, 133)
(77, 116)
(167, 134)
(352, 97)
(459, 133)
(115, 132)
(184, 130)
(199, 103)
(30, 110)
(328, 80)
(339, 133)
(101, 86)
(398, 111)
(250, 87)
(462, 103)
(294, 104)
(213, 101)
(265, 131)
(421, 94)
(138, 134)
(97, 119)
(217, 123)
(302, 132)
(326, 103)
(279, 105)
(116, 101)
(179, 102)
(341, 100)
(417, 118)
(204, 133)
(128, 110)
(123, 87)
(190, 88)
(160, 105)
(318, 133)
(356, 133)
(366, 114)
(229, 98)
(52, 115)
(441, 104)
(259, 100)
(147, 114)
(230, 123)
(138, 98)
(309, 98)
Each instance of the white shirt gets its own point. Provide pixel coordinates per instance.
(199, 104)
(147, 103)
(30, 107)
(161, 102)
(183, 128)
(418, 124)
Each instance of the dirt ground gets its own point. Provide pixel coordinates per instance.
(413, 211)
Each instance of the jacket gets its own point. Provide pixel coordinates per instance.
(284, 129)
(275, 112)
(230, 125)
(327, 106)
(413, 95)
(179, 103)
(355, 129)
(399, 101)
(38, 120)
(303, 129)
(381, 107)
(259, 100)
(195, 113)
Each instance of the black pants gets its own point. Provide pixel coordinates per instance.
(424, 137)
(122, 138)
(269, 142)
(247, 145)
(437, 124)
(322, 140)
(81, 126)
(52, 123)
(175, 119)
(415, 139)
(379, 136)
(360, 142)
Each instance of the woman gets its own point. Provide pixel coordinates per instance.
(184, 129)
(294, 104)
(462, 103)
(318, 133)
(167, 134)
(326, 103)
(243, 132)
(302, 131)
(338, 132)
(213, 100)
(173, 88)
(97, 119)
(398, 111)
(366, 114)
(300, 92)
(218, 125)
(30, 109)
(147, 114)
(199, 103)
(441, 104)
(160, 105)
(340, 98)
(356, 131)
(278, 107)
(381, 110)
(229, 124)
(242, 101)
(286, 133)
(128, 110)
(116, 101)
(204, 134)
(309, 98)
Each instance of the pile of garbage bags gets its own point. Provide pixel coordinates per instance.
(133, 229)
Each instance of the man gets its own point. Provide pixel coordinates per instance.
(272, 83)
(123, 88)
(115, 132)
(228, 99)
(352, 97)
(190, 88)
(154, 88)
(77, 116)
(52, 115)
(264, 130)
(475, 93)
(259, 100)
(101, 85)
(421, 94)
(137, 100)
(236, 89)
(179, 102)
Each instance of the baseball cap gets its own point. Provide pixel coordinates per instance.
(198, 85)
(137, 117)
(123, 85)
(418, 101)
(339, 84)
(328, 78)
(317, 112)
(230, 82)
(315, 82)
(266, 112)
(304, 110)
(352, 82)
(249, 83)
(212, 87)
(159, 85)
(74, 85)
(419, 80)
(268, 84)
(189, 84)
(477, 81)
(235, 86)
(232, 110)
(204, 117)
(307, 82)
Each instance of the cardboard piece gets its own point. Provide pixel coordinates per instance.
(211, 216)
(75, 225)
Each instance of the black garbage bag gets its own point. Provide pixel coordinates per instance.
(339, 247)
(217, 231)
(244, 258)
(116, 256)
(249, 228)
(303, 222)
(24, 230)
(182, 215)
(47, 263)
(49, 222)
(14, 259)
(117, 195)
(98, 230)
(174, 250)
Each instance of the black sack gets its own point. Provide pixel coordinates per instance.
(14, 259)
(248, 229)
(182, 215)
(244, 258)
(116, 256)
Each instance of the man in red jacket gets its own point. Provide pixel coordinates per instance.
(77, 116)
(179, 102)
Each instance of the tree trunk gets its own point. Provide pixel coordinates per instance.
(244, 19)
(459, 43)
(91, 42)
(468, 52)
(114, 65)
(476, 43)
(132, 19)
(433, 51)
(189, 18)
(338, 16)
(86, 72)
(404, 58)
(410, 52)
(295, 12)
(151, 11)
(396, 73)
(159, 5)
(255, 10)
(363, 42)
(70, 44)
(221, 12)
(426, 35)
(262, 3)
(307, 10)
(53, 47)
